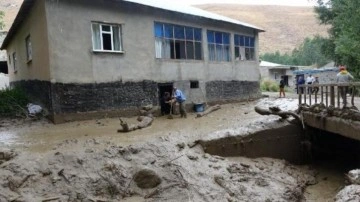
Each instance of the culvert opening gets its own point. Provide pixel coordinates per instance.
(330, 155)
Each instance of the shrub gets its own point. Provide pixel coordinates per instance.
(269, 85)
(13, 102)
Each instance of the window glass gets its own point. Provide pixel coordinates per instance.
(236, 40)
(218, 37)
(177, 42)
(247, 41)
(197, 34)
(14, 61)
(226, 38)
(159, 32)
(106, 37)
(106, 28)
(219, 46)
(28, 48)
(245, 48)
(169, 31)
(179, 32)
(189, 33)
(211, 37)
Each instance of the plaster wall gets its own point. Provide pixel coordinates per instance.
(71, 55)
(34, 26)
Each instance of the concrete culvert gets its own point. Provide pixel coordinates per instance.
(146, 179)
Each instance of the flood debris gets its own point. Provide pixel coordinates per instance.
(208, 110)
(277, 111)
(145, 119)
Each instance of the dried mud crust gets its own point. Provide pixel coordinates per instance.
(103, 171)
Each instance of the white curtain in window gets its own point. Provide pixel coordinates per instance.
(96, 37)
(219, 53)
(212, 52)
(166, 53)
(158, 47)
(116, 38)
(242, 53)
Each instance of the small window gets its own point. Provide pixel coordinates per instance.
(244, 47)
(28, 48)
(219, 46)
(14, 61)
(194, 84)
(106, 37)
(9, 59)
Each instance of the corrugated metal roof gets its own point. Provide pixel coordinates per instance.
(160, 4)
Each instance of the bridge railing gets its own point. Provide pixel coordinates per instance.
(335, 94)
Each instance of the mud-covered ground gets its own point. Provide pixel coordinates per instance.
(91, 161)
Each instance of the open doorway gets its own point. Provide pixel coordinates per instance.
(163, 89)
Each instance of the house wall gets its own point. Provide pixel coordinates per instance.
(81, 80)
(33, 75)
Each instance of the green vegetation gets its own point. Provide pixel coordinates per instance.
(343, 44)
(2, 24)
(13, 103)
(309, 53)
(267, 85)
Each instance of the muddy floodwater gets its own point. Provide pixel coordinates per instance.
(43, 138)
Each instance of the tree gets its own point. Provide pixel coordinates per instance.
(308, 53)
(343, 44)
(2, 24)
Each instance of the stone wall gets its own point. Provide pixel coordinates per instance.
(70, 98)
(69, 102)
(220, 91)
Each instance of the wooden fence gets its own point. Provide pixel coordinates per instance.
(334, 94)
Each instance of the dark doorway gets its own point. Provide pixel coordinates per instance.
(3, 67)
(163, 89)
(286, 80)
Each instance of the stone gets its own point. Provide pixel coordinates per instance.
(146, 179)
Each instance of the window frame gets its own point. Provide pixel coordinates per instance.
(219, 41)
(14, 57)
(247, 44)
(28, 46)
(183, 42)
(112, 38)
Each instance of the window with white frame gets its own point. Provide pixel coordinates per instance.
(218, 46)
(28, 48)
(14, 61)
(177, 42)
(244, 47)
(106, 37)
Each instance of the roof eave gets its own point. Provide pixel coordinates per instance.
(21, 15)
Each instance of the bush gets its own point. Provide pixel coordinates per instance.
(269, 85)
(13, 102)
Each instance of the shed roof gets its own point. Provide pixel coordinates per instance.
(160, 4)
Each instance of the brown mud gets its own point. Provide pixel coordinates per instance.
(90, 161)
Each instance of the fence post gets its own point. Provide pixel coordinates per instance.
(332, 96)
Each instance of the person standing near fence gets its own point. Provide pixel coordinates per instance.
(309, 80)
(343, 77)
(282, 86)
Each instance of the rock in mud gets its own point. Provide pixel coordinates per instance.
(146, 179)
(6, 156)
(349, 193)
(354, 176)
